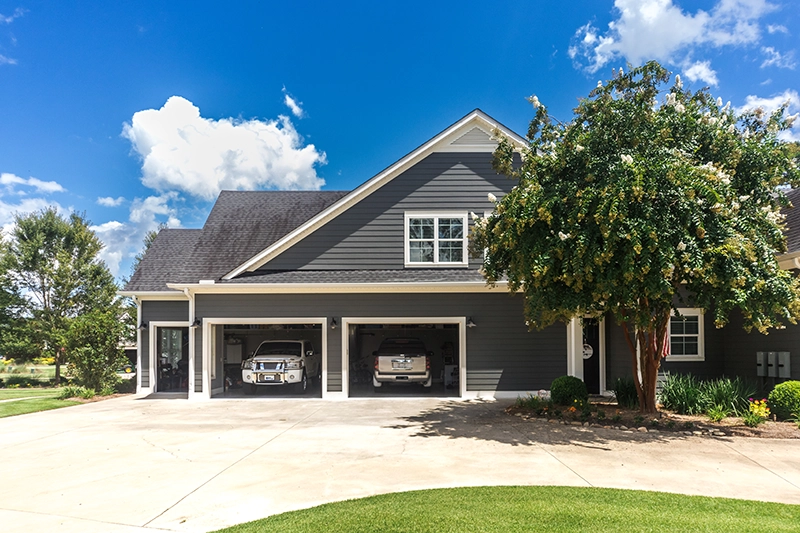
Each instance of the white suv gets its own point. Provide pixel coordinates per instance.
(402, 360)
(290, 363)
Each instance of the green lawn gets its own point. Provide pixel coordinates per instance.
(22, 407)
(526, 509)
(8, 394)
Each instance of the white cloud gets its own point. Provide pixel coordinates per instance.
(10, 180)
(777, 28)
(658, 29)
(182, 151)
(8, 19)
(776, 59)
(123, 240)
(702, 71)
(7, 60)
(107, 201)
(8, 210)
(293, 105)
(770, 104)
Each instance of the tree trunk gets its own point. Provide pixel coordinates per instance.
(648, 346)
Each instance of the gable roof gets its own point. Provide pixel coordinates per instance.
(473, 133)
(239, 225)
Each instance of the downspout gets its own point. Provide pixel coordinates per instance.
(189, 295)
(138, 344)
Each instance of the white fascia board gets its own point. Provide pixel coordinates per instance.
(154, 295)
(438, 143)
(337, 288)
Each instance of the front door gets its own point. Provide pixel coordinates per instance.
(591, 355)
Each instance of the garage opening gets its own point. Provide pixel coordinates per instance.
(267, 360)
(403, 359)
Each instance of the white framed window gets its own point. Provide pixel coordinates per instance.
(686, 341)
(436, 239)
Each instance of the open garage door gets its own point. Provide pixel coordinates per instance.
(404, 359)
(267, 360)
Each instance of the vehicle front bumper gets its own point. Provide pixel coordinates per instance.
(272, 377)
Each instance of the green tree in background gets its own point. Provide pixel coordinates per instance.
(641, 195)
(52, 263)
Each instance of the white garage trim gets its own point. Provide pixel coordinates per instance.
(462, 344)
(152, 331)
(207, 345)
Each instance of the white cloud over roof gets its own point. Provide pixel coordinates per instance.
(183, 151)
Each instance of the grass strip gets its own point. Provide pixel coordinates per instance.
(525, 509)
(23, 407)
(10, 394)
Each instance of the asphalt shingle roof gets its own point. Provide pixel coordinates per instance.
(411, 275)
(241, 224)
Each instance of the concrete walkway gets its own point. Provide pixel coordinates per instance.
(134, 465)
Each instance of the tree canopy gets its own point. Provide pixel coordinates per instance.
(52, 266)
(648, 199)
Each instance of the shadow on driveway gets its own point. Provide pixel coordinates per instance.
(487, 420)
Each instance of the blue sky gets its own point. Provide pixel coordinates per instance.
(138, 113)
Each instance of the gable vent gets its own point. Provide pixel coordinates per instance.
(475, 136)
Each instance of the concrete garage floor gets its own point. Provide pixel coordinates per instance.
(133, 464)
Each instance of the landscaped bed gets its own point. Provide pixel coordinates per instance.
(607, 414)
(518, 509)
(718, 407)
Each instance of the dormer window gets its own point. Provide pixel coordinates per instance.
(436, 239)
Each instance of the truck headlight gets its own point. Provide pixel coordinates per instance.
(292, 365)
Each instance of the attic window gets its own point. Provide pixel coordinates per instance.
(436, 239)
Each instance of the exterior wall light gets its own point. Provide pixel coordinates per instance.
(197, 323)
(142, 326)
(334, 323)
(471, 323)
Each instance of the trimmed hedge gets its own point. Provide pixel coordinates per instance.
(566, 389)
(784, 400)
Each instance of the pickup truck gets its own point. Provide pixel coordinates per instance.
(289, 363)
(402, 360)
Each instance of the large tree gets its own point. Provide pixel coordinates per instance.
(649, 199)
(53, 263)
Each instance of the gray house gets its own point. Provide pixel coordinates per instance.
(346, 270)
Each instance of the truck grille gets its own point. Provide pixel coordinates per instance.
(269, 366)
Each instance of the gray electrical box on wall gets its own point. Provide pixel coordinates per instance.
(772, 364)
(761, 364)
(784, 365)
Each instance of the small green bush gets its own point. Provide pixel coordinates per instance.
(624, 390)
(126, 386)
(784, 400)
(21, 382)
(76, 391)
(566, 389)
(751, 420)
(717, 413)
(681, 393)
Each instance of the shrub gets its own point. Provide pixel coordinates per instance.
(624, 390)
(717, 413)
(23, 382)
(93, 353)
(681, 393)
(730, 394)
(76, 391)
(785, 399)
(566, 389)
(44, 360)
(126, 386)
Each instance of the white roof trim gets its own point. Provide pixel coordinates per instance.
(336, 288)
(440, 143)
(155, 295)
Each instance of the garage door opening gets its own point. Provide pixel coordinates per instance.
(267, 360)
(403, 359)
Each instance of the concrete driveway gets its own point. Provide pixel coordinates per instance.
(135, 464)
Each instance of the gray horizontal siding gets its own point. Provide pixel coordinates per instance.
(370, 235)
(153, 311)
(741, 347)
(474, 136)
(501, 353)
